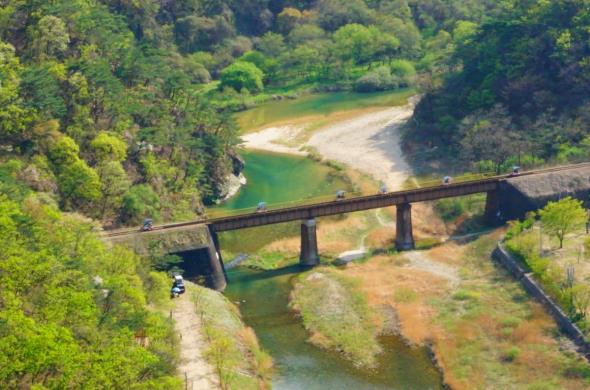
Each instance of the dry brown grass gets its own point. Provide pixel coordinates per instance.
(382, 237)
(382, 278)
(482, 337)
(471, 326)
(334, 236)
(450, 253)
(426, 222)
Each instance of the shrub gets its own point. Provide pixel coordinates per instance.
(140, 202)
(109, 147)
(449, 209)
(379, 79)
(511, 354)
(405, 71)
(242, 75)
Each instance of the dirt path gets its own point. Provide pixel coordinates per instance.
(193, 367)
(419, 260)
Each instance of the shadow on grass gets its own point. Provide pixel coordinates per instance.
(234, 276)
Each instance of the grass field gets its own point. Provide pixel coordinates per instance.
(336, 314)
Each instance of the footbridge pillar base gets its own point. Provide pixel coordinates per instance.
(309, 256)
(404, 239)
(215, 277)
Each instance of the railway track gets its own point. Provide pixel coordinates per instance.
(496, 178)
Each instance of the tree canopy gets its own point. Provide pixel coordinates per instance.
(529, 60)
(563, 217)
(70, 308)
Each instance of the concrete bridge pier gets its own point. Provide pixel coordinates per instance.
(492, 213)
(309, 256)
(404, 239)
(215, 277)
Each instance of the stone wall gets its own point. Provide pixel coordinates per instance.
(502, 256)
(165, 241)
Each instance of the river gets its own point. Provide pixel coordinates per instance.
(263, 295)
(278, 180)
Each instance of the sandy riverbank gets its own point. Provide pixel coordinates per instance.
(273, 139)
(369, 143)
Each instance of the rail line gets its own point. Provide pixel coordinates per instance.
(404, 194)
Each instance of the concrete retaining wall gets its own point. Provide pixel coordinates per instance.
(513, 266)
(521, 194)
(166, 241)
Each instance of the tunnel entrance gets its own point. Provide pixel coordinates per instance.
(195, 265)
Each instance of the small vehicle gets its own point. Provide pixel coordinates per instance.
(179, 284)
(515, 171)
(148, 224)
(261, 207)
(447, 180)
(340, 195)
(383, 189)
(175, 292)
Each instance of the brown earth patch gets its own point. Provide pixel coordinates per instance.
(386, 283)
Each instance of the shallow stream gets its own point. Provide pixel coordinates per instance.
(263, 298)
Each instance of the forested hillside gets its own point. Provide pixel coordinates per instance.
(517, 91)
(73, 313)
(122, 109)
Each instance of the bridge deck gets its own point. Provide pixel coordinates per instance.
(361, 203)
(323, 209)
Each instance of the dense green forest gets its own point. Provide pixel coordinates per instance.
(122, 109)
(516, 90)
(73, 313)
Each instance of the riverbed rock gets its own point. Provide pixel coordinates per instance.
(238, 163)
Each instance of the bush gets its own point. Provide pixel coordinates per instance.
(242, 75)
(379, 79)
(449, 209)
(265, 64)
(109, 147)
(405, 71)
(511, 354)
(140, 202)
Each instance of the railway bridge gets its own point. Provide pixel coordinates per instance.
(494, 187)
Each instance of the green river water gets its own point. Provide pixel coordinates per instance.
(318, 105)
(263, 295)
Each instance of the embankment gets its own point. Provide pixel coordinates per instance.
(231, 348)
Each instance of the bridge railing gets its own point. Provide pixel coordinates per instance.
(413, 183)
(220, 213)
